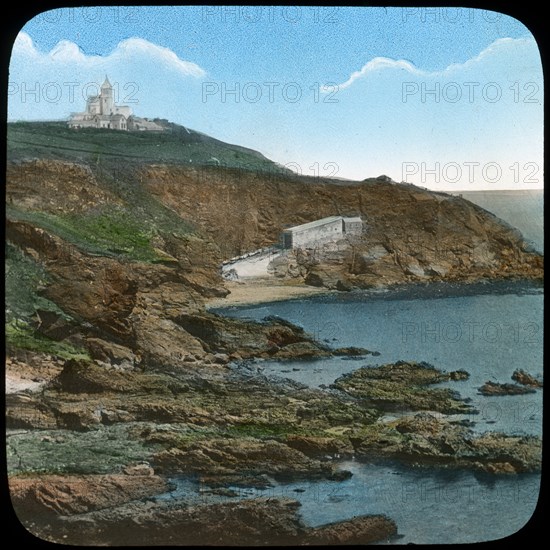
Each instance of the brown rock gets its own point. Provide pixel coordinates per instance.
(358, 530)
(139, 470)
(525, 379)
(245, 457)
(162, 342)
(316, 447)
(24, 411)
(300, 350)
(494, 388)
(109, 352)
(36, 497)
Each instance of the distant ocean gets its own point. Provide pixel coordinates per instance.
(523, 209)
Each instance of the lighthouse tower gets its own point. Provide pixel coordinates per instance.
(107, 101)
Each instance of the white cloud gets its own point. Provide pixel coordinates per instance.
(67, 52)
(374, 65)
(139, 46)
(498, 47)
(48, 85)
(23, 45)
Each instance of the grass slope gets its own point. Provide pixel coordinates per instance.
(176, 145)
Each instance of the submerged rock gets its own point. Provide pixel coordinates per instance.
(352, 352)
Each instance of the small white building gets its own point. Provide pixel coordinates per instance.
(327, 229)
(353, 225)
(137, 124)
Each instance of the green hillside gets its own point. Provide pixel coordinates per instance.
(176, 145)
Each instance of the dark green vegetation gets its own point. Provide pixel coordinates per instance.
(176, 145)
(123, 231)
(22, 336)
(69, 452)
(109, 231)
(24, 279)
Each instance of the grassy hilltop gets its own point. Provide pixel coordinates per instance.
(176, 145)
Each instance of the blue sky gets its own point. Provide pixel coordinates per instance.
(443, 98)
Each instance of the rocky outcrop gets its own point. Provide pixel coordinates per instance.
(245, 461)
(135, 313)
(356, 531)
(99, 291)
(495, 388)
(411, 234)
(274, 337)
(247, 522)
(55, 186)
(26, 411)
(250, 522)
(425, 440)
(320, 447)
(111, 353)
(47, 496)
(401, 386)
(526, 379)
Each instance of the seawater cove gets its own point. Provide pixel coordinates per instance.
(475, 506)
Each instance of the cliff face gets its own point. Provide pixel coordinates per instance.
(410, 234)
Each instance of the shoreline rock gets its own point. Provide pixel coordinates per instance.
(117, 509)
(402, 386)
(525, 379)
(426, 441)
(496, 388)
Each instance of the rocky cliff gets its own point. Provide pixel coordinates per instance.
(410, 234)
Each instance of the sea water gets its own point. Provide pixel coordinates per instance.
(488, 330)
